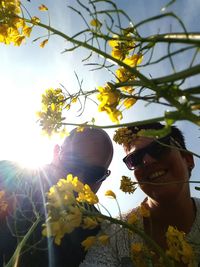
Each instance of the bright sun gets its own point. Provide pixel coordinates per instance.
(34, 151)
(21, 140)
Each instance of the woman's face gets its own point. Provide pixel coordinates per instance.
(169, 168)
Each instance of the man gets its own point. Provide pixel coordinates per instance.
(87, 155)
(162, 167)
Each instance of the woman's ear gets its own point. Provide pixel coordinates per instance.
(189, 159)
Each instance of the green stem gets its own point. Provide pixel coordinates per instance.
(121, 124)
(190, 38)
(94, 49)
(178, 76)
(12, 262)
(166, 79)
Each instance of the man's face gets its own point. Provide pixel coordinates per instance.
(88, 173)
(171, 166)
(87, 155)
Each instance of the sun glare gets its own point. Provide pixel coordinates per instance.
(34, 152)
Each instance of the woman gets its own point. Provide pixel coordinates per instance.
(162, 167)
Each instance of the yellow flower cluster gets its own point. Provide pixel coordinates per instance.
(124, 75)
(96, 23)
(42, 7)
(53, 103)
(142, 256)
(178, 248)
(127, 185)
(3, 202)
(13, 29)
(64, 208)
(111, 194)
(123, 136)
(121, 48)
(109, 98)
(132, 218)
(86, 195)
(91, 240)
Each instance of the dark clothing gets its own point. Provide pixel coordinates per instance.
(25, 192)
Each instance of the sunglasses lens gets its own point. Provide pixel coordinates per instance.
(159, 148)
(156, 150)
(94, 174)
(134, 159)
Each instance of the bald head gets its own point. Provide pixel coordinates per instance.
(92, 145)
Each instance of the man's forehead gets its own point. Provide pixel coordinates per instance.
(92, 154)
(138, 143)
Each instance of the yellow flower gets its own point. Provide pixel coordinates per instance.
(74, 100)
(73, 219)
(129, 102)
(87, 196)
(80, 129)
(67, 106)
(120, 49)
(27, 30)
(35, 20)
(133, 60)
(136, 247)
(132, 218)
(110, 193)
(66, 222)
(95, 23)
(51, 120)
(127, 185)
(64, 214)
(53, 229)
(123, 75)
(178, 248)
(143, 211)
(123, 136)
(104, 239)
(89, 223)
(115, 115)
(78, 185)
(88, 242)
(109, 98)
(42, 8)
(12, 27)
(43, 43)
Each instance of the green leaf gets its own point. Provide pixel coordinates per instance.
(155, 133)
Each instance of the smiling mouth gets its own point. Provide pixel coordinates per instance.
(156, 175)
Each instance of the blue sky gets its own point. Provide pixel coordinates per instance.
(28, 70)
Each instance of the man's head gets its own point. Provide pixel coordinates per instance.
(87, 154)
(158, 161)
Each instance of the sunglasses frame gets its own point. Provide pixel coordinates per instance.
(77, 165)
(163, 143)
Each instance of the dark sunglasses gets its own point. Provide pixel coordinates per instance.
(94, 175)
(90, 174)
(157, 149)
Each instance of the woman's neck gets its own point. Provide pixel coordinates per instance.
(178, 213)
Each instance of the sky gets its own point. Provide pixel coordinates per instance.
(28, 70)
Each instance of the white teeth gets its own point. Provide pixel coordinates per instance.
(156, 174)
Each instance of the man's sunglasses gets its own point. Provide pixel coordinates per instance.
(94, 174)
(157, 149)
(90, 174)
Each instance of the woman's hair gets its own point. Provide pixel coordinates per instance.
(175, 132)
